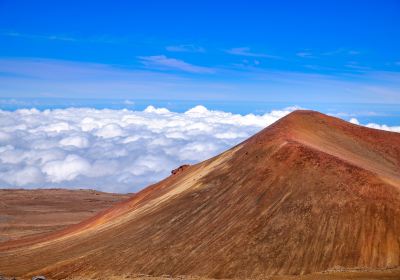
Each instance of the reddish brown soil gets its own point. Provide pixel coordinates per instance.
(308, 194)
(32, 212)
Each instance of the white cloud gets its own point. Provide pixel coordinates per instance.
(23, 176)
(245, 51)
(76, 141)
(116, 150)
(163, 62)
(152, 109)
(66, 169)
(109, 131)
(377, 126)
(4, 137)
(354, 121)
(57, 127)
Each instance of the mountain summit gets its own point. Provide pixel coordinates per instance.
(306, 194)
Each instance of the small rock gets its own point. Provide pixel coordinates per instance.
(38, 277)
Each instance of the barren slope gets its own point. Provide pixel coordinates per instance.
(306, 194)
(31, 212)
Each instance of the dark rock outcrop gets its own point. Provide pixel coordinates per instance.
(180, 169)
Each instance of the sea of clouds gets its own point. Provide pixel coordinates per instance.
(116, 150)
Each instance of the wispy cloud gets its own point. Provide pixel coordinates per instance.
(245, 51)
(61, 37)
(57, 78)
(36, 36)
(341, 51)
(185, 48)
(305, 54)
(356, 66)
(129, 102)
(164, 62)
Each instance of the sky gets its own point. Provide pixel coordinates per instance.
(113, 95)
(257, 51)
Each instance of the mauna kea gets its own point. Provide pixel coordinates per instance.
(309, 193)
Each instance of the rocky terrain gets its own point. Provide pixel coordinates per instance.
(309, 197)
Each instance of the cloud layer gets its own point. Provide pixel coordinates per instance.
(114, 150)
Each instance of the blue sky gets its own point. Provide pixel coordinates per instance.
(248, 62)
(253, 51)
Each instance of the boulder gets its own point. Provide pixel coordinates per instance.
(180, 169)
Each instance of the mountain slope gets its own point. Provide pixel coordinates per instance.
(306, 194)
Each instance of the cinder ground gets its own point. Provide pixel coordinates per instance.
(391, 274)
(33, 212)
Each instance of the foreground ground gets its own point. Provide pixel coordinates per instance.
(391, 274)
(28, 212)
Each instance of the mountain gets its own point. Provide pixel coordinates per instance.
(37, 211)
(307, 194)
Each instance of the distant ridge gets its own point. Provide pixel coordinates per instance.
(33, 212)
(307, 194)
